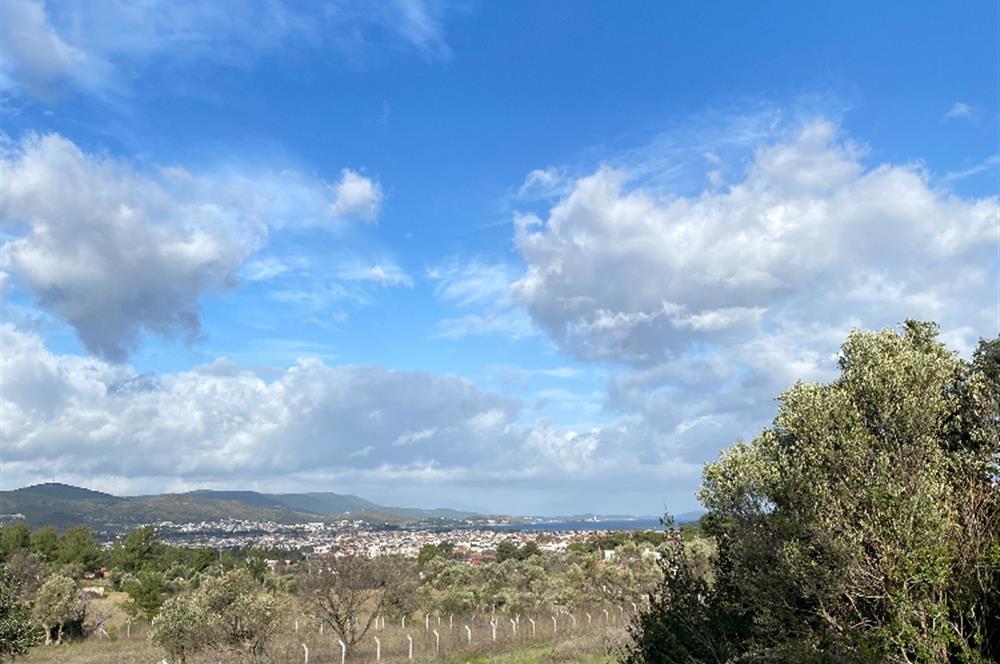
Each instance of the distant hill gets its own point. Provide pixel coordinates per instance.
(64, 506)
(330, 504)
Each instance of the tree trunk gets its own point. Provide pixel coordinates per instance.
(48, 634)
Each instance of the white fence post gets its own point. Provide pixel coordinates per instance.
(343, 651)
(378, 649)
(437, 642)
(305, 650)
(468, 633)
(409, 640)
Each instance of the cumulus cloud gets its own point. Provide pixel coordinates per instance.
(118, 251)
(54, 48)
(68, 415)
(356, 196)
(706, 306)
(810, 233)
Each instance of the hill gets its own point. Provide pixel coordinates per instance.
(330, 504)
(64, 506)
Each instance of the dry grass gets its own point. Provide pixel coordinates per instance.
(584, 644)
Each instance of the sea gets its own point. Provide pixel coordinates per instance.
(641, 523)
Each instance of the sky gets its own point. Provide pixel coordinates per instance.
(532, 258)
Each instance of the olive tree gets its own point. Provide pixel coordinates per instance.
(180, 628)
(58, 602)
(17, 631)
(239, 613)
(863, 525)
(348, 593)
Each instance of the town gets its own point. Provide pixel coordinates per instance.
(353, 537)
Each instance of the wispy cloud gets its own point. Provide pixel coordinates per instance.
(97, 47)
(987, 164)
(482, 290)
(962, 111)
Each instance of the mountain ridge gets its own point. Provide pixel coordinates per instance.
(63, 506)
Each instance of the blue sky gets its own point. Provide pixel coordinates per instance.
(526, 257)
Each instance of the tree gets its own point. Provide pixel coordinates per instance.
(45, 542)
(14, 538)
(77, 546)
(28, 569)
(180, 628)
(863, 525)
(239, 614)
(506, 551)
(58, 603)
(146, 593)
(18, 633)
(136, 550)
(348, 593)
(428, 552)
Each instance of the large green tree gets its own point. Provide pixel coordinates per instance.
(18, 632)
(863, 525)
(14, 538)
(77, 546)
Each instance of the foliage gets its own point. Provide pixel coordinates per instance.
(45, 542)
(58, 603)
(18, 633)
(863, 525)
(28, 570)
(428, 552)
(13, 538)
(146, 593)
(135, 551)
(239, 613)
(228, 610)
(77, 546)
(510, 551)
(349, 593)
(180, 628)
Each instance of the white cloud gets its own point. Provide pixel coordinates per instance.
(36, 58)
(988, 164)
(384, 273)
(311, 425)
(117, 251)
(711, 304)
(356, 196)
(96, 48)
(637, 277)
(483, 290)
(543, 183)
(961, 110)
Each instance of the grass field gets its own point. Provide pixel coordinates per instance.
(588, 642)
(586, 649)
